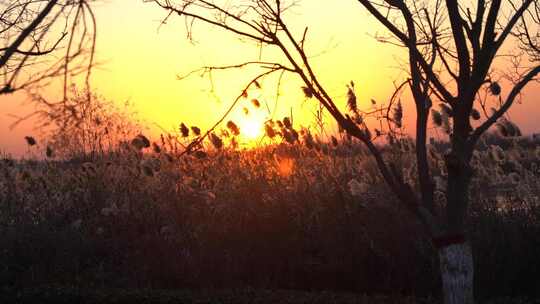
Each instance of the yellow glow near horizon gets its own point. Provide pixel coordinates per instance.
(143, 63)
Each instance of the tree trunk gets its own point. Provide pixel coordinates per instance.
(457, 269)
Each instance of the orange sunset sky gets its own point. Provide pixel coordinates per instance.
(140, 61)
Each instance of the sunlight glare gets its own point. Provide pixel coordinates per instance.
(285, 166)
(250, 128)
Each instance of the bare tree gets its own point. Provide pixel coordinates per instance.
(42, 40)
(452, 50)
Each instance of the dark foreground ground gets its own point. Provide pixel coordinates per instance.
(60, 295)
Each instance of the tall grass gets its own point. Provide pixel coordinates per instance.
(300, 213)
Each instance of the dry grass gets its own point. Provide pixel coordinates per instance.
(298, 216)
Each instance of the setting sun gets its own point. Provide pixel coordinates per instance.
(251, 128)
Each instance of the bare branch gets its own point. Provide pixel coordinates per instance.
(34, 35)
(516, 90)
(26, 32)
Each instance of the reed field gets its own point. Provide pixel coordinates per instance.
(302, 214)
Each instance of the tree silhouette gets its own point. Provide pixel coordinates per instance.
(452, 53)
(43, 40)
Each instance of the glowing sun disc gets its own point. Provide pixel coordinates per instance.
(250, 128)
